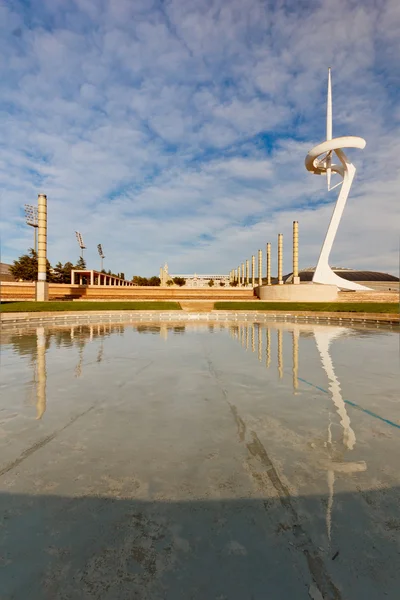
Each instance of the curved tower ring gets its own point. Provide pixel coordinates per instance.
(319, 162)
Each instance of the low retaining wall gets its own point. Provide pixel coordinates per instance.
(25, 290)
(58, 291)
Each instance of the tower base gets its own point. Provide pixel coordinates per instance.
(41, 291)
(303, 292)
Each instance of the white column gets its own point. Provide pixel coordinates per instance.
(42, 287)
(280, 258)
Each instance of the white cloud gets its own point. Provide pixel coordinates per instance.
(178, 131)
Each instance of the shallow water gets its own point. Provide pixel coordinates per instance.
(199, 461)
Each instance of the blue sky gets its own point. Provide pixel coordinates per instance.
(176, 131)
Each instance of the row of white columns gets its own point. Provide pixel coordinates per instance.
(102, 279)
(242, 274)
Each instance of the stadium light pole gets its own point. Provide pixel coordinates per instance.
(101, 254)
(32, 219)
(80, 242)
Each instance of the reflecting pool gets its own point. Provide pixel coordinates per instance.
(200, 461)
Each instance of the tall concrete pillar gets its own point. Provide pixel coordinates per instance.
(268, 263)
(280, 258)
(296, 278)
(42, 287)
(260, 268)
(253, 270)
(242, 273)
(238, 275)
(91, 278)
(247, 272)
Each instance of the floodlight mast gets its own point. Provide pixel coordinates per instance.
(32, 219)
(101, 254)
(80, 242)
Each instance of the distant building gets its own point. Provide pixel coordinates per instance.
(196, 280)
(193, 280)
(5, 273)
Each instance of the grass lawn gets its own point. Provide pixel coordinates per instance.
(356, 307)
(9, 307)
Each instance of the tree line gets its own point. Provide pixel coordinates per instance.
(156, 281)
(26, 269)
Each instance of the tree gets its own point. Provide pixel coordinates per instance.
(58, 273)
(170, 282)
(222, 283)
(26, 267)
(154, 281)
(62, 273)
(234, 283)
(143, 281)
(67, 272)
(81, 264)
(211, 283)
(179, 281)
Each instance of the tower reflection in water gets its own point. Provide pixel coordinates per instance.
(324, 335)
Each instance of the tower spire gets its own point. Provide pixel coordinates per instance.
(329, 108)
(329, 129)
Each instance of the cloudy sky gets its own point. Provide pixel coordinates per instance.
(176, 130)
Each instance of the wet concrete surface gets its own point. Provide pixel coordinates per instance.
(199, 461)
